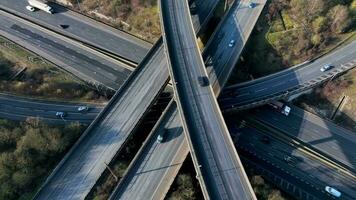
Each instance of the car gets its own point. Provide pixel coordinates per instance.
(63, 26)
(232, 43)
(83, 108)
(288, 159)
(160, 138)
(30, 8)
(61, 114)
(326, 67)
(203, 81)
(332, 191)
(209, 61)
(251, 5)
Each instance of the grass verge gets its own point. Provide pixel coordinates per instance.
(26, 74)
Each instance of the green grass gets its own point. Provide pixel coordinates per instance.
(41, 79)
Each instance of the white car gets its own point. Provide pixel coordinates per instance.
(326, 68)
(232, 43)
(83, 108)
(332, 191)
(160, 138)
(61, 114)
(30, 8)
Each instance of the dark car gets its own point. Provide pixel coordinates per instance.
(203, 81)
(63, 26)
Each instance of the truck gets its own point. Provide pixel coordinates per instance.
(281, 107)
(41, 5)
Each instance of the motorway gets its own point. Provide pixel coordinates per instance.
(79, 170)
(77, 59)
(285, 82)
(224, 37)
(219, 170)
(303, 172)
(155, 166)
(85, 29)
(336, 143)
(19, 108)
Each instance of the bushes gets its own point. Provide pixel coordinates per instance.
(185, 189)
(29, 150)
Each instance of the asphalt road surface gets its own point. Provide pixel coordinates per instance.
(20, 108)
(84, 163)
(156, 165)
(77, 173)
(84, 29)
(143, 176)
(265, 87)
(80, 61)
(219, 169)
(313, 173)
(323, 135)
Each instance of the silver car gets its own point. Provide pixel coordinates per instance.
(83, 108)
(326, 68)
(232, 43)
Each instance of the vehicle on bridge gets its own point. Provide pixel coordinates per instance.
(332, 191)
(326, 67)
(33, 4)
(251, 5)
(161, 136)
(281, 107)
(203, 81)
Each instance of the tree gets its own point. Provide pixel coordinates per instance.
(339, 19)
(319, 24)
(316, 39)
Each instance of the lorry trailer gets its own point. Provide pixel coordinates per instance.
(36, 4)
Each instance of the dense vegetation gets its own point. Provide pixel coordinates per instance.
(139, 17)
(28, 152)
(23, 73)
(292, 31)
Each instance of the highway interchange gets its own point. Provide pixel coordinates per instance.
(152, 171)
(348, 58)
(215, 159)
(84, 163)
